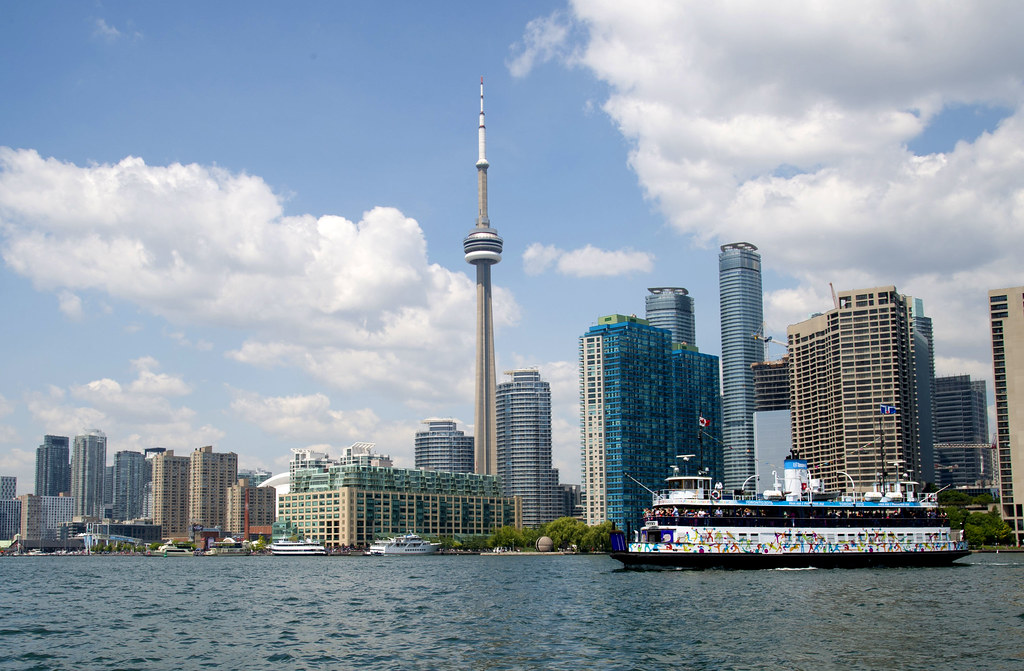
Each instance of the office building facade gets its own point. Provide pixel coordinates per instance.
(697, 411)
(170, 493)
(524, 446)
(444, 447)
(210, 475)
(924, 373)
(42, 516)
(853, 391)
(8, 487)
(129, 485)
(961, 410)
(742, 312)
(53, 466)
(627, 414)
(249, 506)
(88, 470)
(1006, 317)
(671, 308)
(352, 505)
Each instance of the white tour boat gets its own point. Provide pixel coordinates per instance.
(693, 525)
(172, 549)
(297, 548)
(229, 547)
(409, 544)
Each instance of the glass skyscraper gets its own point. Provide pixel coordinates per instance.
(627, 418)
(924, 374)
(442, 447)
(524, 446)
(128, 485)
(53, 466)
(672, 308)
(88, 468)
(698, 410)
(742, 308)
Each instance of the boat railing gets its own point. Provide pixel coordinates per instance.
(855, 520)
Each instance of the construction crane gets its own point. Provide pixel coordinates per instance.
(768, 340)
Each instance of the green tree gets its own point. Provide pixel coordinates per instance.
(565, 532)
(986, 529)
(597, 539)
(953, 497)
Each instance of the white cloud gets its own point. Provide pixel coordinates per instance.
(545, 38)
(135, 415)
(787, 124)
(588, 261)
(70, 305)
(356, 304)
(310, 419)
(105, 31)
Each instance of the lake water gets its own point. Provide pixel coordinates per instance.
(479, 612)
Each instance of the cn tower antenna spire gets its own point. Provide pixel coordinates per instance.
(482, 165)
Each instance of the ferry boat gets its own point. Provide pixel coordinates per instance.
(694, 525)
(172, 549)
(297, 548)
(409, 544)
(229, 547)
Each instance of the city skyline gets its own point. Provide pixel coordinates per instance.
(246, 235)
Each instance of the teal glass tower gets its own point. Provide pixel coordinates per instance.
(698, 408)
(742, 308)
(627, 418)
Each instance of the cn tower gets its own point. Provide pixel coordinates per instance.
(483, 250)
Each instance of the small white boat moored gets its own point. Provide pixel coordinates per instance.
(297, 548)
(409, 544)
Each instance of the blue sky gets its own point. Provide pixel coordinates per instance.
(241, 224)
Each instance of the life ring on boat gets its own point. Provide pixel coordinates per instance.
(716, 494)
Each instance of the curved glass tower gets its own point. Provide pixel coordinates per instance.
(483, 249)
(672, 308)
(742, 306)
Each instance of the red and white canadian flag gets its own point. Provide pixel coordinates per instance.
(704, 421)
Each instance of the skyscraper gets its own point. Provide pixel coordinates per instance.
(924, 373)
(53, 466)
(128, 485)
(961, 410)
(853, 402)
(170, 492)
(698, 410)
(524, 446)
(742, 309)
(1006, 314)
(210, 474)
(672, 308)
(483, 249)
(627, 417)
(88, 468)
(443, 447)
(8, 487)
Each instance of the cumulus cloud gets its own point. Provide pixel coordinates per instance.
(70, 305)
(588, 261)
(139, 413)
(354, 303)
(544, 39)
(311, 418)
(788, 124)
